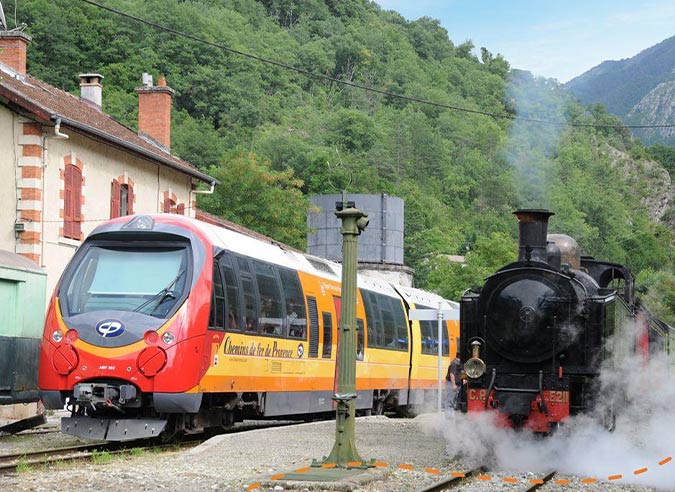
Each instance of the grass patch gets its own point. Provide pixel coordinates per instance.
(22, 466)
(136, 452)
(100, 457)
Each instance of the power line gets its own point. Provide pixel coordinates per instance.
(375, 90)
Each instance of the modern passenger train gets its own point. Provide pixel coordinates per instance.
(164, 324)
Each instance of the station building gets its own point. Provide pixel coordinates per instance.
(66, 166)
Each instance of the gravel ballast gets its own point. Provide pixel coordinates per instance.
(239, 461)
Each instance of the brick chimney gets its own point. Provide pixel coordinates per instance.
(91, 89)
(13, 46)
(154, 110)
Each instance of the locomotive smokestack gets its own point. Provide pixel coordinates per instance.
(532, 228)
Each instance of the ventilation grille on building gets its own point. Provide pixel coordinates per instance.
(321, 266)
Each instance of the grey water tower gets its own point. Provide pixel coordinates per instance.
(380, 246)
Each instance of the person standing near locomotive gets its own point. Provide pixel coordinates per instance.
(453, 378)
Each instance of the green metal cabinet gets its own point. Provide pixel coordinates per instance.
(23, 290)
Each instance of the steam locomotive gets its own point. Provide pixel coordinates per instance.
(534, 337)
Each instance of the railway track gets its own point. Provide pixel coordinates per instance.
(480, 473)
(10, 463)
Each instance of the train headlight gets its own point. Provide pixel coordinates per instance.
(57, 336)
(475, 367)
(168, 338)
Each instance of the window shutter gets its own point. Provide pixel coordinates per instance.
(68, 202)
(77, 203)
(115, 199)
(130, 199)
(180, 209)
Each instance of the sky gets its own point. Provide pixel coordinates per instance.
(551, 38)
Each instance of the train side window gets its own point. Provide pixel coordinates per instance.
(295, 304)
(390, 332)
(373, 319)
(359, 339)
(250, 294)
(232, 292)
(313, 327)
(217, 315)
(271, 316)
(401, 324)
(327, 335)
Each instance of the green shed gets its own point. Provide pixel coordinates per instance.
(23, 291)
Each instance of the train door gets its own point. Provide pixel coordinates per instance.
(338, 306)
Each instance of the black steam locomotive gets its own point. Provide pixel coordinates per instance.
(534, 337)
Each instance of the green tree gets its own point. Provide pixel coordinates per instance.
(250, 193)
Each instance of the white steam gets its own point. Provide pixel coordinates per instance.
(532, 145)
(643, 395)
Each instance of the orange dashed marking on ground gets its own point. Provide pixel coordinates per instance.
(435, 471)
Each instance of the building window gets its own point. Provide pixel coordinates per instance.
(121, 199)
(72, 202)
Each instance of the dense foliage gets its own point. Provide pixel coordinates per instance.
(268, 133)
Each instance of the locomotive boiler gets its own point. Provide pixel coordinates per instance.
(535, 336)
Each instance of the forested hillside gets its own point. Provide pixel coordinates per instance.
(268, 133)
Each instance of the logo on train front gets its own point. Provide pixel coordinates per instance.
(109, 328)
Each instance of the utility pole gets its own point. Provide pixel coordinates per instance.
(344, 450)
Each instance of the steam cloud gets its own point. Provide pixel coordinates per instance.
(531, 146)
(641, 391)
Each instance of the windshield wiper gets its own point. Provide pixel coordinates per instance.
(162, 295)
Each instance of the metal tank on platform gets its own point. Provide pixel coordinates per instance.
(380, 248)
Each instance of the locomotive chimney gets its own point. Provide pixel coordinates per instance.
(532, 228)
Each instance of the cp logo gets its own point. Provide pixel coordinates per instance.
(109, 328)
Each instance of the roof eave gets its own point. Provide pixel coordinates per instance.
(76, 125)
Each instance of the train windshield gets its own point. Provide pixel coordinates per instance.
(144, 280)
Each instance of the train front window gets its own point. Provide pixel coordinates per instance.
(145, 280)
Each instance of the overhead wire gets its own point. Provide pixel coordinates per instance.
(355, 85)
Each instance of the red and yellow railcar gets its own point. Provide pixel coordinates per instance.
(163, 324)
